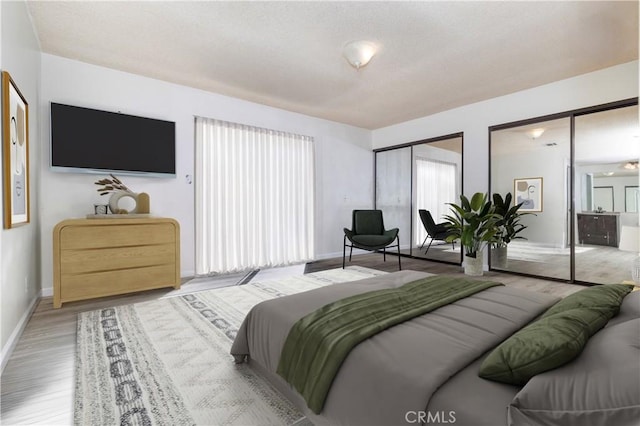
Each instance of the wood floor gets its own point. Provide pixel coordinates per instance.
(37, 384)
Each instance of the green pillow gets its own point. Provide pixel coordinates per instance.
(556, 338)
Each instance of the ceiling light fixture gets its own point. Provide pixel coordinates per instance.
(536, 133)
(607, 173)
(359, 53)
(631, 165)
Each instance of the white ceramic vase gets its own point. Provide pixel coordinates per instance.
(117, 196)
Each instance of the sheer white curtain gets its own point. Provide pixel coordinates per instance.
(254, 197)
(436, 186)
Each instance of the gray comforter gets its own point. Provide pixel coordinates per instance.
(390, 378)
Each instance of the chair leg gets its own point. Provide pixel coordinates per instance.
(384, 254)
(399, 264)
(428, 247)
(350, 252)
(425, 240)
(344, 250)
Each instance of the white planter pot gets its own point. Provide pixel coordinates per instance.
(499, 257)
(473, 265)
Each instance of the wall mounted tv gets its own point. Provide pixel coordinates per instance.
(91, 141)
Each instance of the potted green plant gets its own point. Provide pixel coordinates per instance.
(508, 225)
(473, 223)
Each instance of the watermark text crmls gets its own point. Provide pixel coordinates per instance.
(426, 417)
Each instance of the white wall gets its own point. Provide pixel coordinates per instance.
(344, 161)
(19, 247)
(549, 227)
(607, 85)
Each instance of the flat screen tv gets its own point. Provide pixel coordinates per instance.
(92, 141)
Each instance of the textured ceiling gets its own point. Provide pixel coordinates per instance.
(434, 56)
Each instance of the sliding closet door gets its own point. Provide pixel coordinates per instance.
(393, 191)
(607, 150)
(437, 181)
(532, 162)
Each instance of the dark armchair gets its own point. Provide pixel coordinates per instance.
(367, 232)
(435, 231)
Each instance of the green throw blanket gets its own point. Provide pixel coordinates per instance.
(318, 343)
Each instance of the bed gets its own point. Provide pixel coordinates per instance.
(425, 370)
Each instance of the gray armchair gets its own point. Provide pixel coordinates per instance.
(367, 232)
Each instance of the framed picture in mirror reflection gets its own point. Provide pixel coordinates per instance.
(528, 191)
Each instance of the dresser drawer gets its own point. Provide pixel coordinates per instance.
(597, 239)
(88, 237)
(109, 283)
(76, 261)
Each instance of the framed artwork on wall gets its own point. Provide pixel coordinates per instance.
(15, 153)
(528, 191)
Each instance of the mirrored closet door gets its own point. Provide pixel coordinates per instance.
(393, 191)
(437, 181)
(607, 151)
(576, 174)
(532, 162)
(414, 184)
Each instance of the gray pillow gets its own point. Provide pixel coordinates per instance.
(600, 387)
(629, 309)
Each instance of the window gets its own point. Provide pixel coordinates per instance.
(254, 197)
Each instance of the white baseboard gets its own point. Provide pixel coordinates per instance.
(339, 254)
(8, 348)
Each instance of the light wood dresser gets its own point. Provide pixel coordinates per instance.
(104, 257)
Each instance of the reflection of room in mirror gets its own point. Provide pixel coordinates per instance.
(437, 181)
(604, 193)
(603, 198)
(425, 175)
(605, 142)
(528, 193)
(631, 199)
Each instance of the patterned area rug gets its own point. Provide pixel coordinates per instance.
(167, 362)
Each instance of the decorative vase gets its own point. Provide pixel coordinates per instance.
(473, 265)
(144, 204)
(115, 198)
(499, 257)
